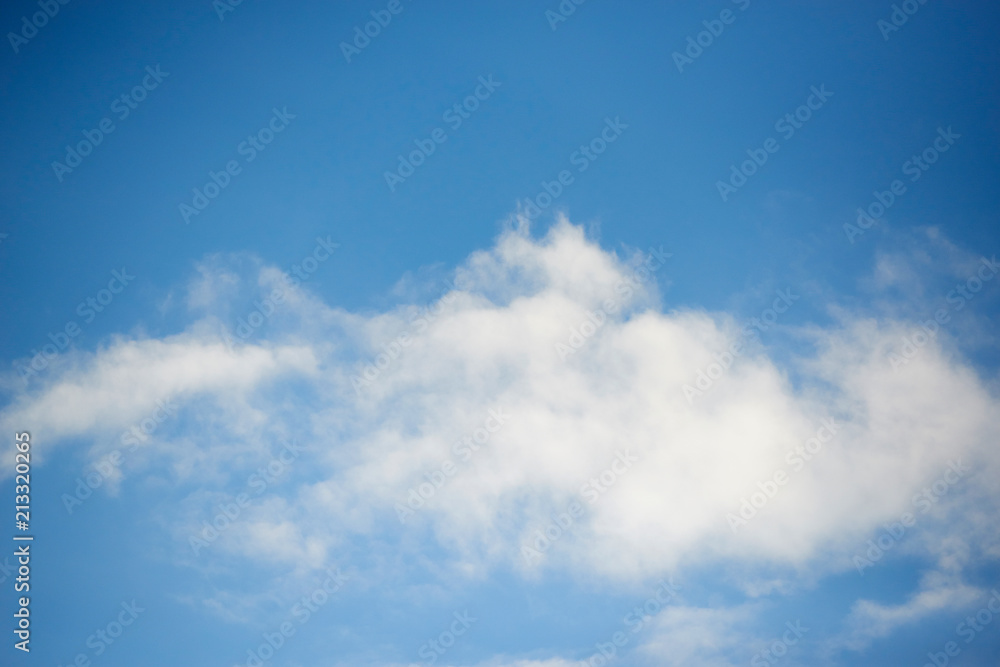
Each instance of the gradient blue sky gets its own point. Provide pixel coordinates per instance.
(323, 176)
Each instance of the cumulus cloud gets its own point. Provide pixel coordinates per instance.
(548, 383)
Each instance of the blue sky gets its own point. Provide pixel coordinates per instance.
(434, 335)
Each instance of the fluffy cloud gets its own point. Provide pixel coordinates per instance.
(546, 387)
(100, 395)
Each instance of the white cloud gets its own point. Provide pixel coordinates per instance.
(871, 620)
(492, 345)
(714, 637)
(940, 590)
(100, 395)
